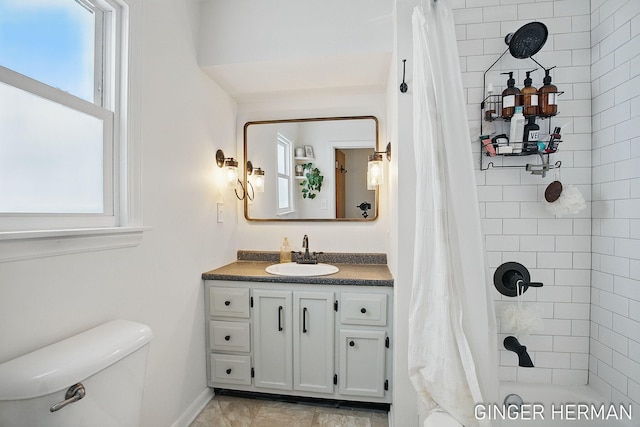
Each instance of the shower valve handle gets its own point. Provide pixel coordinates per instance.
(512, 279)
(523, 284)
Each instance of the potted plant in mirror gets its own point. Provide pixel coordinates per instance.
(312, 183)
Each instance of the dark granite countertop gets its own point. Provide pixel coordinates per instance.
(355, 269)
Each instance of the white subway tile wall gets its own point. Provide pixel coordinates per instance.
(614, 365)
(557, 251)
(589, 262)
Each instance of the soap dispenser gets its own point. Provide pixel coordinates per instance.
(285, 251)
(510, 97)
(547, 96)
(529, 96)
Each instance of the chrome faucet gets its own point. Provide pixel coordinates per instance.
(306, 257)
(305, 246)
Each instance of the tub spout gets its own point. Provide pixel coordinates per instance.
(512, 344)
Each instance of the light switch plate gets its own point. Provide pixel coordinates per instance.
(220, 212)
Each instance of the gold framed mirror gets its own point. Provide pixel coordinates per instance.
(312, 169)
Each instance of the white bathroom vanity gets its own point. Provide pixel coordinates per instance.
(313, 337)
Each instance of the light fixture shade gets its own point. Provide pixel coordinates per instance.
(375, 171)
(230, 173)
(258, 182)
(370, 186)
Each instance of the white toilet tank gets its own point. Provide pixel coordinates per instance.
(109, 361)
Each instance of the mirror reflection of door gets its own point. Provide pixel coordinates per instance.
(341, 170)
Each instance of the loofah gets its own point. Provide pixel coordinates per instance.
(569, 202)
(518, 319)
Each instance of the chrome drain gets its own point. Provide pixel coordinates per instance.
(513, 400)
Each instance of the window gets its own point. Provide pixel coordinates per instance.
(284, 175)
(57, 42)
(65, 153)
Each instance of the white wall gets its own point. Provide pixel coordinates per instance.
(402, 214)
(614, 364)
(517, 227)
(185, 118)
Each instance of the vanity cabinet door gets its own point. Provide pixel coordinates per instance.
(362, 363)
(313, 341)
(272, 339)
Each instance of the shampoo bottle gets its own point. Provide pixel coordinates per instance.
(531, 130)
(517, 130)
(510, 97)
(285, 251)
(547, 96)
(529, 97)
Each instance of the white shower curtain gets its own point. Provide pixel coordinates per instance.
(452, 339)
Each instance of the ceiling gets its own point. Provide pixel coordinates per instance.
(260, 49)
(253, 80)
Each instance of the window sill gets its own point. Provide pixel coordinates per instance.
(22, 245)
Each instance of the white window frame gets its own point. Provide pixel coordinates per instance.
(121, 225)
(288, 175)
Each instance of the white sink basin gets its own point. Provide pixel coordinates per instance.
(294, 269)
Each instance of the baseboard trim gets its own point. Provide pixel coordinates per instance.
(194, 409)
(333, 403)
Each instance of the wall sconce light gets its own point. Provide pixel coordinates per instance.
(375, 168)
(230, 166)
(258, 181)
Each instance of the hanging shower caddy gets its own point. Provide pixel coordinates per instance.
(522, 44)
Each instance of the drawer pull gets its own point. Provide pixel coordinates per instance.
(228, 371)
(227, 337)
(351, 343)
(363, 310)
(227, 303)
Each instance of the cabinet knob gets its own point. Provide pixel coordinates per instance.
(351, 343)
(227, 303)
(229, 371)
(227, 337)
(363, 310)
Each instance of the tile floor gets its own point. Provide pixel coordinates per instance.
(229, 411)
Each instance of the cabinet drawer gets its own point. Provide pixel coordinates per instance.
(364, 309)
(229, 302)
(230, 369)
(229, 336)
